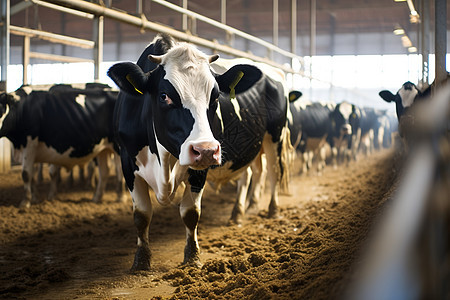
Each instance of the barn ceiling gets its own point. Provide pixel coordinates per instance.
(342, 26)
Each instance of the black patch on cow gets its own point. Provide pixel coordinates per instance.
(56, 119)
(173, 123)
(133, 116)
(191, 218)
(197, 179)
(312, 121)
(262, 109)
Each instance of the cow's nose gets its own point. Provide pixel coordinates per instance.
(346, 129)
(206, 154)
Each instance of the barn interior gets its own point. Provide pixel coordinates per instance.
(331, 50)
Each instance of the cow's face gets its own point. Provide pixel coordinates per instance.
(345, 119)
(184, 94)
(403, 99)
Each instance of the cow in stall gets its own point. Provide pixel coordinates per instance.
(64, 127)
(345, 134)
(174, 121)
(309, 125)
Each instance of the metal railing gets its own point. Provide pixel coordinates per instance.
(408, 256)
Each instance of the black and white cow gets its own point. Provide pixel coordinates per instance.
(259, 117)
(174, 120)
(404, 99)
(63, 126)
(345, 132)
(310, 125)
(373, 124)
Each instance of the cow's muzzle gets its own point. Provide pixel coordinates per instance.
(205, 154)
(346, 129)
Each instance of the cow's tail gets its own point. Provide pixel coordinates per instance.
(285, 159)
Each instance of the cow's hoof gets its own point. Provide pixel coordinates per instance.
(25, 204)
(252, 209)
(274, 212)
(195, 263)
(141, 260)
(235, 222)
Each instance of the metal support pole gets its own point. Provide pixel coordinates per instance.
(313, 28)
(275, 22)
(223, 11)
(26, 58)
(293, 26)
(425, 40)
(312, 49)
(98, 48)
(139, 7)
(4, 46)
(184, 25)
(440, 40)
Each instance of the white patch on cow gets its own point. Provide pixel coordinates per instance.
(81, 100)
(187, 69)
(4, 116)
(345, 109)
(236, 107)
(46, 154)
(164, 178)
(219, 115)
(27, 89)
(408, 96)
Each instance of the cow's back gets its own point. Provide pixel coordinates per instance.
(68, 120)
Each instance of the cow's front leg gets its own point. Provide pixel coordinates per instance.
(27, 177)
(103, 171)
(190, 210)
(143, 211)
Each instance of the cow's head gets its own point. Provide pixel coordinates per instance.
(345, 119)
(404, 98)
(184, 96)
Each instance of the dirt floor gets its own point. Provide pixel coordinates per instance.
(71, 248)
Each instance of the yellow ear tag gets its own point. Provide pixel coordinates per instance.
(234, 83)
(130, 80)
(291, 97)
(233, 99)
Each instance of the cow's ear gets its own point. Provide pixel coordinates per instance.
(238, 78)
(294, 95)
(129, 77)
(387, 96)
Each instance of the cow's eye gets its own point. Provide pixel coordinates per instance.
(166, 99)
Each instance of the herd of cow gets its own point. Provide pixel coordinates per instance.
(182, 118)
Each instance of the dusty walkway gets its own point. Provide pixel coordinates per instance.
(73, 249)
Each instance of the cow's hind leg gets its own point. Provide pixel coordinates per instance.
(271, 150)
(259, 173)
(55, 178)
(238, 212)
(143, 211)
(103, 168)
